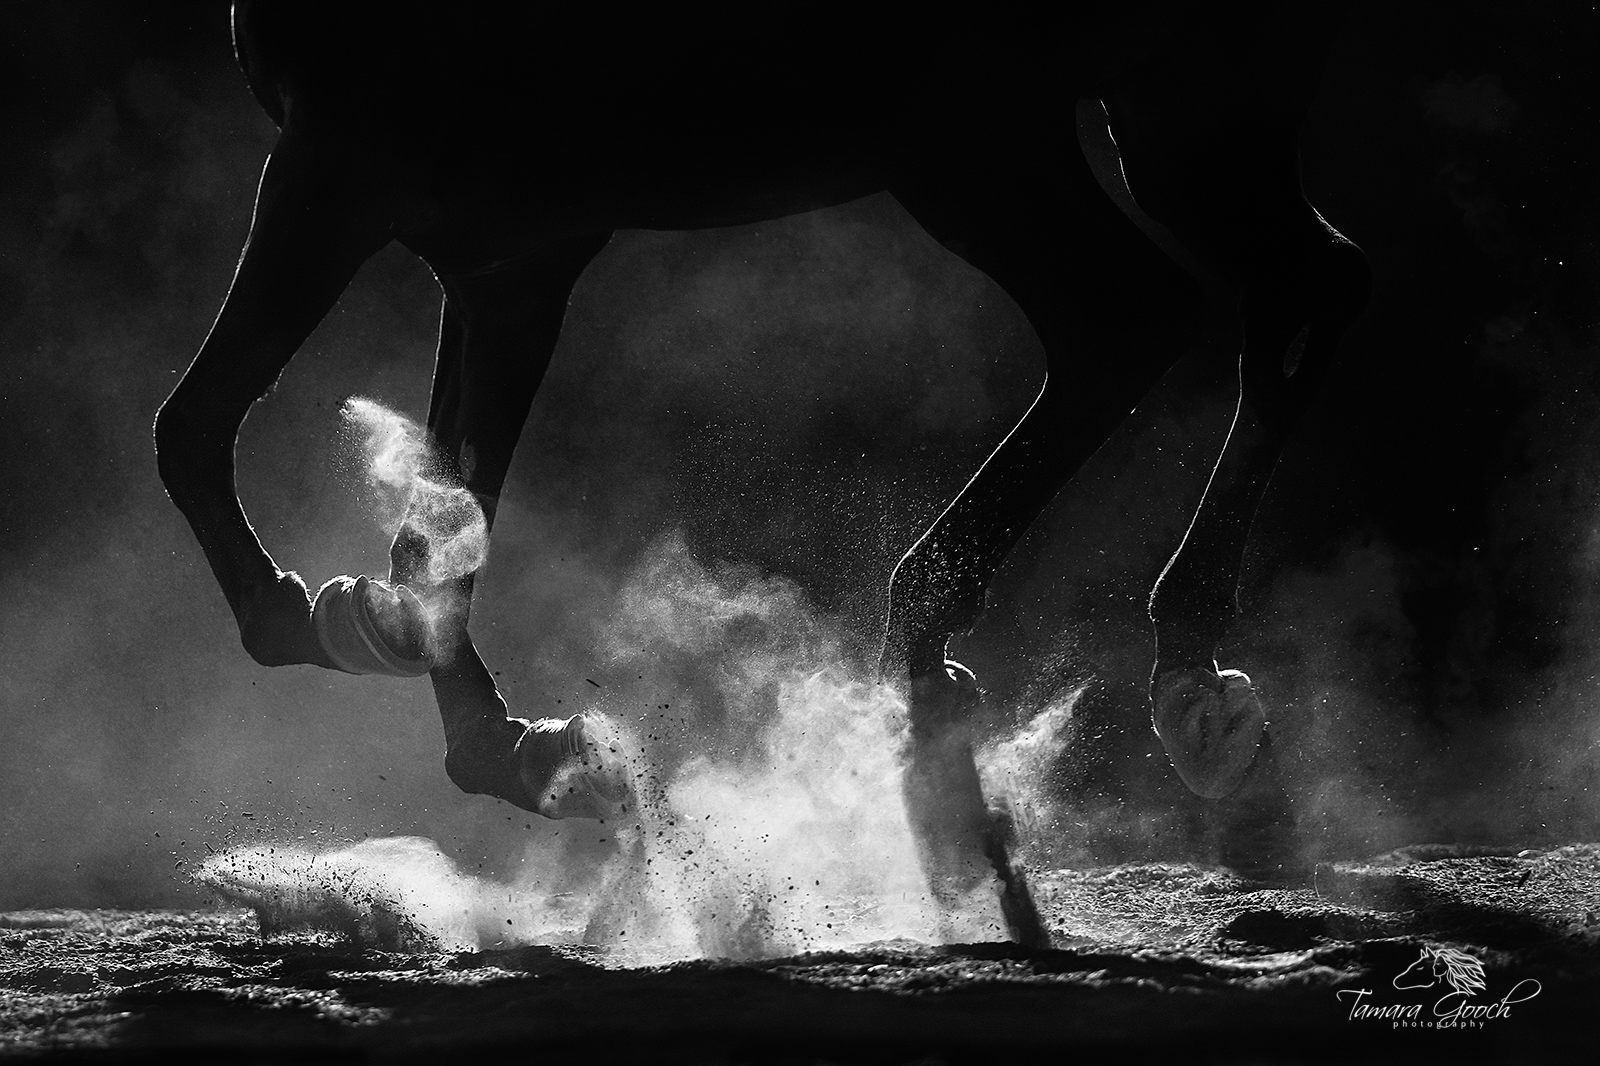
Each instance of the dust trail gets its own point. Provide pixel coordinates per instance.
(768, 817)
(799, 844)
(398, 893)
(416, 495)
(1018, 770)
(771, 817)
(402, 467)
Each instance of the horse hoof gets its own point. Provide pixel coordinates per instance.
(372, 627)
(1211, 725)
(573, 768)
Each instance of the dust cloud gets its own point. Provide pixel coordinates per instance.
(804, 394)
(400, 464)
(402, 893)
(768, 817)
(440, 518)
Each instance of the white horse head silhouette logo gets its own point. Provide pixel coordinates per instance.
(1462, 972)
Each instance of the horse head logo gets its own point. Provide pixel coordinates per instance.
(1462, 972)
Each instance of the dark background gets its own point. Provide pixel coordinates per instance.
(802, 396)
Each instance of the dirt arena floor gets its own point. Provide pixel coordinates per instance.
(1165, 959)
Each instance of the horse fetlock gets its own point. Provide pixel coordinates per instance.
(480, 759)
(1193, 605)
(275, 623)
(189, 424)
(1211, 724)
(943, 700)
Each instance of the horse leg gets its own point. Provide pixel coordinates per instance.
(496, 337)
(1110, 310)
(1213, 156)
(320, 213)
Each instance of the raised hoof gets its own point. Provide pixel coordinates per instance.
(573, 768)
(1210, 724)
(372, 627)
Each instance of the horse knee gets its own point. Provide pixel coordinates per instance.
(483, 763)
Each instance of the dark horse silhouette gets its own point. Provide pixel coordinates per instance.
(503, 145)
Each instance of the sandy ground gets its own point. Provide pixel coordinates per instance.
(1150, 958)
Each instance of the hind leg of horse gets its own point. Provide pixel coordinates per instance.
(1111, 311)
(496, 337)
(1218, 165)
(320, 212)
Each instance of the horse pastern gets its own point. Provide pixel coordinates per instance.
(275, 624)
(944, 698)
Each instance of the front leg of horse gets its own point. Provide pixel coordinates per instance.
(1210, 720)
(558, 768)
(326, 202)
(962, 842)
(1215, 159)
(555, 767)
(496, 336)
(350, 624)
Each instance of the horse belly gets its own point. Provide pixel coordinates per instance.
(670, 129)
(545, 178)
